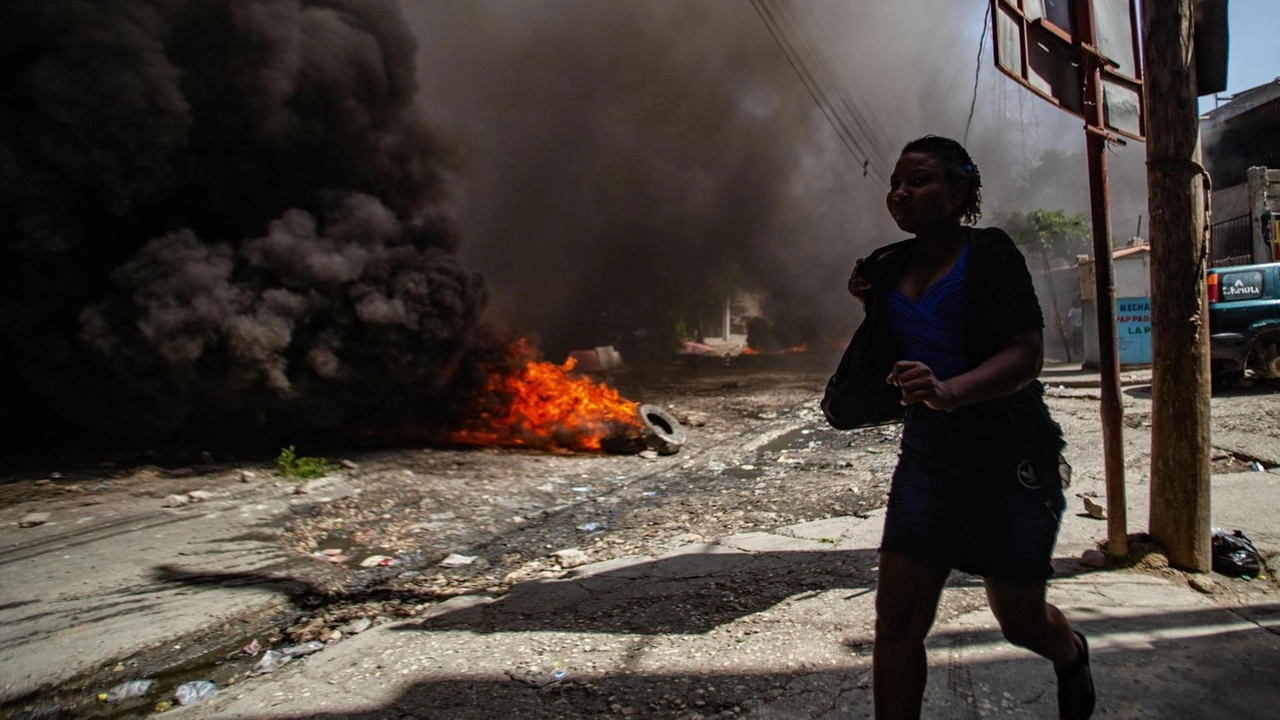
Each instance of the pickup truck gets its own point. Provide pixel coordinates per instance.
(1244, 322)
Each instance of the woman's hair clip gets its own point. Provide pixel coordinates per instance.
(967, 168)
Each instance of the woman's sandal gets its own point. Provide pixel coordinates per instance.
(1077, 705)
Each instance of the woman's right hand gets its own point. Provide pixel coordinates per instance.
(858, 287)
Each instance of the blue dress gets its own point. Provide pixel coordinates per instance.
(978, 508)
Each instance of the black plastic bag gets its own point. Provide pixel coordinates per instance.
(1235, 555)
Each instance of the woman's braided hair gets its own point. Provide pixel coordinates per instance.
(959, 166)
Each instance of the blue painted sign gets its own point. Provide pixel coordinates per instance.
(1133, 330)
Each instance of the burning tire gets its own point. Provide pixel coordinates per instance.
(662, 432)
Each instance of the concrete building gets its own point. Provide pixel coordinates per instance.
(1241, 141)
(1133, 306)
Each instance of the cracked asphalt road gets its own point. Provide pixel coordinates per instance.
(735, 577)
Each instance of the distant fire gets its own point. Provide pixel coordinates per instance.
(801, 348)
(543, 405)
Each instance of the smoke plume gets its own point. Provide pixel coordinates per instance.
(236, 213)
(627, 163)
(217, 210)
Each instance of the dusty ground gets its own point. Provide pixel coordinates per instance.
(758, 457)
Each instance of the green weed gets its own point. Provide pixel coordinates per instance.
(300, 468)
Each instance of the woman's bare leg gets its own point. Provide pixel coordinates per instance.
(907, 593)
(1028, 621)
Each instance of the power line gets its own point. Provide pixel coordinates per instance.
(977, 71)
(862, 115)
(872, 144)
(862, 155)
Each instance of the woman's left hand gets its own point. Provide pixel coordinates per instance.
(919, 384)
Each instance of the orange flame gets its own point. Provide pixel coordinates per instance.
(541, 405)
(801, 348)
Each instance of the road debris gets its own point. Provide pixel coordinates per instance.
(1093, 559)
(455, 560)
(571, 558)
(124, 691)
(270, 662)
(304, 649)
(357, 626)
(33, 519)
(1203, 583)
(1235, 555)
(194, 692)
(1093, 508)
(174, 501)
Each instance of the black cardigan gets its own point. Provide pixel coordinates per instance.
(999, 302)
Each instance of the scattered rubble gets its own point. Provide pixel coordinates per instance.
(455, 560)
(304, 649)
(357, 626)
(124, 691)
(1093, 559)
(1203, 583)
(1093, 508)
(571, 558)
(194, 692)
(175, 501)
(34, 519)
(270, 662)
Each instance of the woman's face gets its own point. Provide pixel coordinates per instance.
(921, 196)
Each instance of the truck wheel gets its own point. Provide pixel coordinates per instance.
(662, 432)
(1224, 380)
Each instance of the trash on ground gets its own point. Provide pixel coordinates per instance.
(376, 561)
(33, 519)
(123, 691)
(164, 705)
(570, 558)
(589, 527)
(1235, 555)
(456, 560)
(357, 626)
(1258, 467)
(270, 662)
(333, 557)
(305, 648)
(350, 465)
(1094, 508)
(252, 648)
(174, 501)
(194, 692)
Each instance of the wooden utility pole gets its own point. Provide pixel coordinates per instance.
(1177, 186)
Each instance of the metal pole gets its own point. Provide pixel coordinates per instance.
(1112, 410)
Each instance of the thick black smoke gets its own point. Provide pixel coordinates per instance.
(627, 162)
(220, 209)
